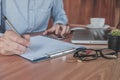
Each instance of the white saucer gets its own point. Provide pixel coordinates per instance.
(91, 26)
(77, 28)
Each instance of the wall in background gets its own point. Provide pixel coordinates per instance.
(80, 11)
(117, 14)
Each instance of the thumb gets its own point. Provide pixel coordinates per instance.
(48, 31)
(45, 32)
(27, 38)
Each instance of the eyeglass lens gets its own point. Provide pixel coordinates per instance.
(109, 53)
(91, 54)
(87, 55)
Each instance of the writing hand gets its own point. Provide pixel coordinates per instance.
(11, 43)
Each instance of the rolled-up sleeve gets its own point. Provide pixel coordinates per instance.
(58, 13)
(0, 19)
(1, 27)
(0, 11)
(1, 34)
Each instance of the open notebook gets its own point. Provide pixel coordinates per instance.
(43, 48)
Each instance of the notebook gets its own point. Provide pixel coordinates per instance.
(43, 48)
(89, 36)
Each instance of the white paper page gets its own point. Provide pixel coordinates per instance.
(43, 46)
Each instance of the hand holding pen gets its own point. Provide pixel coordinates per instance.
(12, 42)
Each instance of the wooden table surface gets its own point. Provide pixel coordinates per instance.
(62, 68)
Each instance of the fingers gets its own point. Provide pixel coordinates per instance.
(27, 38)
(68, 30)
(10, 35)
(63, 30)
(51, 30)
(10, 43)
(58, 30)
(9, 48)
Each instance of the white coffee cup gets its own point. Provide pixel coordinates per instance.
(97, 22)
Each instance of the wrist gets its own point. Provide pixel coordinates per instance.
(58, 24)
(62, 24)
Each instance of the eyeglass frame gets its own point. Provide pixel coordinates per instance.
(100, 54)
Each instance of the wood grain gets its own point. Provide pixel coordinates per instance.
(16, 68)
(62, 68)
(80, 11)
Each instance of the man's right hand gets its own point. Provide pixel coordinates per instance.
(11, 43)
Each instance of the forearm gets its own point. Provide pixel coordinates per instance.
(58, 13)
(61, 20)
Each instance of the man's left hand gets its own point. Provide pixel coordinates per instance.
(58, 29)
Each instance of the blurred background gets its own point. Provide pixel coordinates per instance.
(80, 11)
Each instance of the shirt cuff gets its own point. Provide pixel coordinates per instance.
(60, 22)
(1, 34)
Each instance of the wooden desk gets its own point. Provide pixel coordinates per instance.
(62, 68)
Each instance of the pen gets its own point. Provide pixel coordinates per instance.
(62, 53)
(11, 26)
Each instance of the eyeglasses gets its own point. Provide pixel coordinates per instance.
(92, 54)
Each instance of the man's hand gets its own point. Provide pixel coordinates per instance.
(11, 43)
(58, 30)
